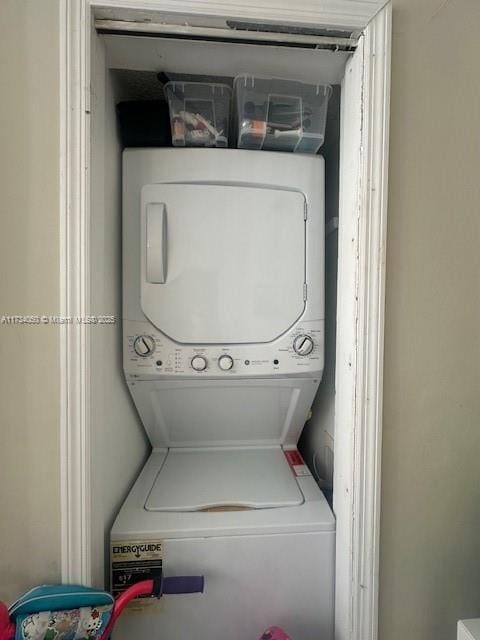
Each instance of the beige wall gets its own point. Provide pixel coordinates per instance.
(114, 419)
(430, 544)
(29, 284)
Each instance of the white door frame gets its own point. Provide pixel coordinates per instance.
(360, 324)
(360, 332)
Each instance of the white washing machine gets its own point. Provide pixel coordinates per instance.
(223, 283)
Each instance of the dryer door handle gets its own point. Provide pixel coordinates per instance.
(156, 242)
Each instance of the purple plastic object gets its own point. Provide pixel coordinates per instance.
(182, 584)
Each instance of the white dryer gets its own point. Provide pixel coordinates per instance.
(223, 286)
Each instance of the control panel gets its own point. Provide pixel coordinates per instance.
(149, 353)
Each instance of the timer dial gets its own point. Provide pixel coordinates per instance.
(225, 362)
(303, 345)
(144, 345)
(199, 363)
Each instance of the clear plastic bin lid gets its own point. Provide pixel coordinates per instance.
(199, 113)
(279, 114)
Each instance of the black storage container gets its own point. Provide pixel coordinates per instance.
(144, 123)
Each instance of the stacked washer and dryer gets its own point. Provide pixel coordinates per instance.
(223, 329)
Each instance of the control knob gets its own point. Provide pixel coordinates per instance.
(144, 346)
(303, 345)
(225, 362)
(199, 363)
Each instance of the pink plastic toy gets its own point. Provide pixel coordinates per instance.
(275, 633)
(7, 628)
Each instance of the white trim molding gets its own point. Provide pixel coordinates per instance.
(360, 338)
(74, 290)
(348, 15)
(370, 329)
(158, 29)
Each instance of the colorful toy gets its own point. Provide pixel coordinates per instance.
(74, 612)
(275, 633)
(39, 614)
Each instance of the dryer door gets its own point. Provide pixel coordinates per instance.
(222, 263)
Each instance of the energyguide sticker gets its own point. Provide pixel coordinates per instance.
(133, 561)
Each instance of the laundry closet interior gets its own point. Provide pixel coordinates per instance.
(129, 65)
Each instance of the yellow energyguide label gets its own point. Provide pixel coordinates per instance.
(133, 561)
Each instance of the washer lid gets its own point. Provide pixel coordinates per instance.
(223, 479)
(222, 263)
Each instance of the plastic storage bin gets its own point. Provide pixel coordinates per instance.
(280, 115)
(199, 113)
(144, 123)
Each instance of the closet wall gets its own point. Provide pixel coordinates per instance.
(318, 438)
(119, 445)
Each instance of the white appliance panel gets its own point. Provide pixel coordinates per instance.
(261, 566)
(215, 413)
(251, 583)
(134, 522)
(223, 282)
(468, 629)
(222, 263)
(215, 478)
(274, 563)
(169, 359)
